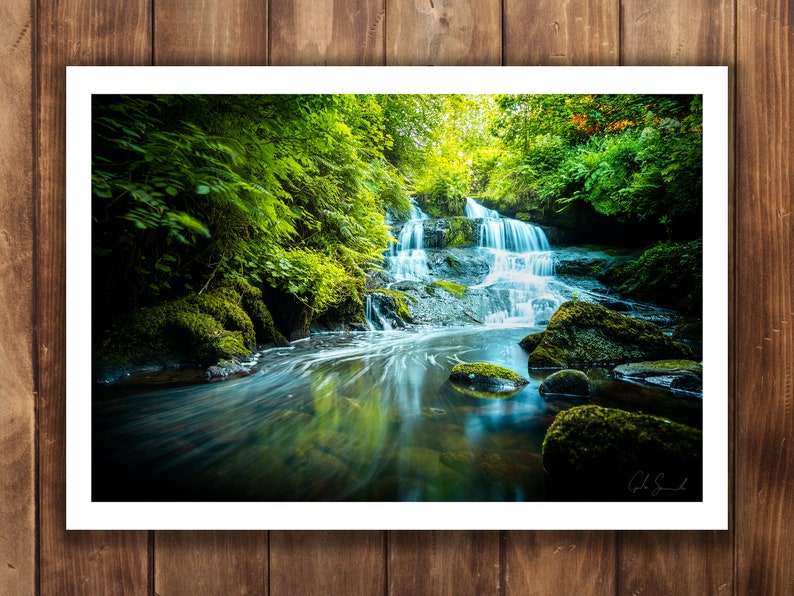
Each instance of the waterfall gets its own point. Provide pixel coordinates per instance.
(521, 268)
(407, 259)
(375, 319)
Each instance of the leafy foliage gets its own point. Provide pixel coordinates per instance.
(288, 192)
(668, 273)
(630, 157)
(291, 192)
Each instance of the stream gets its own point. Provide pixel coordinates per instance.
(369, 415)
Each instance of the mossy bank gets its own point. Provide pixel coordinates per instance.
(224, 323)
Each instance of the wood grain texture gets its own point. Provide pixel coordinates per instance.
(321, 563)
(566, 562)
(81, 32)
(444, 563)
(338, 33)
(765, 388)
(675, 563)
(444, 32)
(18, 412)
(553, 33)
(210, 32)
(211, 563)
(676, 33)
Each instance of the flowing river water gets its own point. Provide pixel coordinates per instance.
(367, 416)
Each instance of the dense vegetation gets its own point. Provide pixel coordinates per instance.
(572, 160)
(290, 195)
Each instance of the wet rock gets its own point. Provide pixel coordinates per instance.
(690, 384)
(583, 333)
(588, 261)
(388, 309)
(566, 382)
(596, 453)
(681, 375)
(482, 379)
(225, 369)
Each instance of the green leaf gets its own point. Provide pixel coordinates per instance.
(202, 189)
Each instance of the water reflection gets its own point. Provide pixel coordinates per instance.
(366, 416)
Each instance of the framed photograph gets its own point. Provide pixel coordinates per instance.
(397, 298)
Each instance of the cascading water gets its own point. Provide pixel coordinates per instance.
(407, 259)
(375, 319)
(522, 268)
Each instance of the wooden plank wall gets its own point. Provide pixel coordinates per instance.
(39, 38)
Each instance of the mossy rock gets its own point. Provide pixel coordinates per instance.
(395, 302)
(583, 334)
(682, 376)
(456, 289)
(592, 453)
(566, 382)
(643, 370)
(531, 341)
(224, 323)
(486, 380)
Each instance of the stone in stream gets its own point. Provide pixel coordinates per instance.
(678, 375)
(566, 382)
(583, 333)
(485, 380)
(564, 389)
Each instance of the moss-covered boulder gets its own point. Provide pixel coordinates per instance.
(225, 323)
(531, 341)
(566, 382)
(591, 453)
(583, 333)
(482, 379)
(685, 376)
